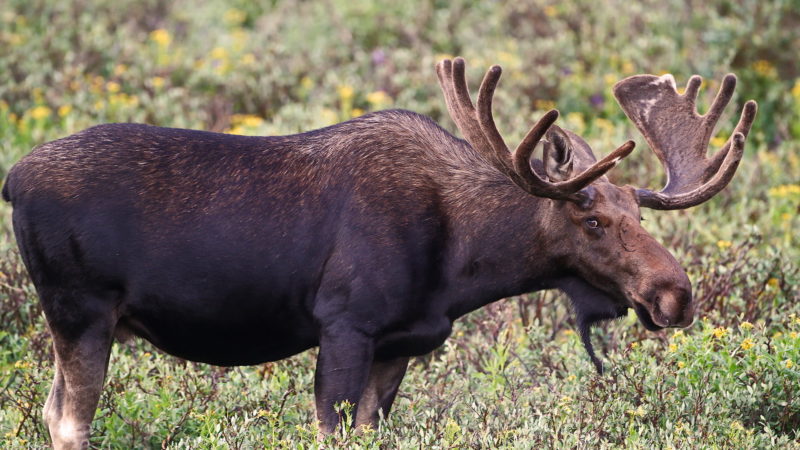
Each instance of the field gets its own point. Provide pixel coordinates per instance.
(513, 375)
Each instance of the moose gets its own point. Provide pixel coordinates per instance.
(367, 238)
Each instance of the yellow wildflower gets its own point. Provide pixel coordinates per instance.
(112, 87)
(765, 68)
(796, 89)
(379, 98)
(722, 244)
(120, 69)
(346, 92)
(628, 68)
(306, 82)
(788, 363)
(157, 82)
(544, 104)
(219, 53)
(508, 59)
(22, 365)
(720, 332)
(329, 116)
(747, 344)
(234, 16)
(681, 364)
(638, 412)
(605, 125)
(248, 59)
(252, 121)
(357, 112)
(777, 335)
(718, 141)
(161, 37)
(571, 378)
(773, 282)
(634, 344)
(673, 348)
(41, 112)
(793, 335)
(576, 121)
(63, 110)
(677, 334)
(550, 11)
(784, 190)
(247, 120)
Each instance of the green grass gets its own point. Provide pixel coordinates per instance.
(514, 374)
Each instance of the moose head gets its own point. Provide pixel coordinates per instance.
(616, 264)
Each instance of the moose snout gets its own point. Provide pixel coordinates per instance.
(672, 307)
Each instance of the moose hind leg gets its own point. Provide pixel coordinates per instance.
(382, 385)
(82, 344)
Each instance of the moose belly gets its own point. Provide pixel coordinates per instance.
(225, 331)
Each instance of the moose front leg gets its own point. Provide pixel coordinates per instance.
(342, 369)
(384, 381)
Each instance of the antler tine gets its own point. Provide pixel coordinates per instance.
(444, 71)
(693, 87)
(453, 83)
(722, 99)
(679, 137)
(486, 118)
(479, 129)
(523, 152)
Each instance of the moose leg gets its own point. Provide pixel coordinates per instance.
(81, 354)
(342, 369)
(382, 385)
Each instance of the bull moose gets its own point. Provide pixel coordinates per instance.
(367, 238)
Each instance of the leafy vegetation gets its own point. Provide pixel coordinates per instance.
(514, 374)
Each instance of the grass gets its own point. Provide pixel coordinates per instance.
(514, 374)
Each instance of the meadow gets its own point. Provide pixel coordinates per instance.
(513, 375)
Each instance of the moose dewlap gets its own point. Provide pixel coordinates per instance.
(367, 238)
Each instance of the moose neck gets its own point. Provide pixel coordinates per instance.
(501, 244)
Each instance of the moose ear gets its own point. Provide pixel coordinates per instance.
(557, 155)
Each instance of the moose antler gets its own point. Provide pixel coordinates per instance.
(679, 136)
(479, 129)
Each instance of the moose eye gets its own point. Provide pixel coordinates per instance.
(592, 222)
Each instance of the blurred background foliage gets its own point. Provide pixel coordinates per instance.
(513, 375)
